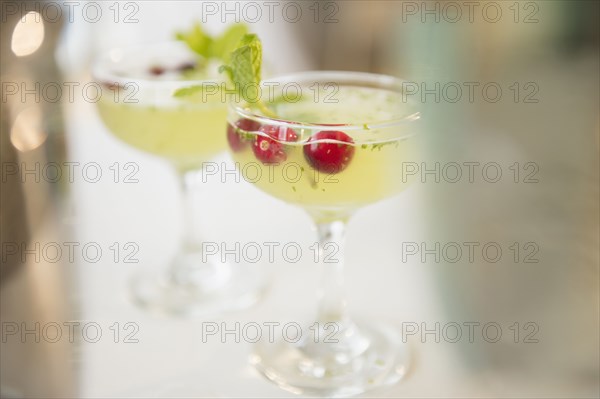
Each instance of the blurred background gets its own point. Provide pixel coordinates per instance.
(528, 106)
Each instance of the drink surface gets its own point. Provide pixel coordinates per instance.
(372, 170)
(186, 134)
(141, 110)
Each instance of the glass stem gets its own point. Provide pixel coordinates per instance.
(190, 239)
(332, 304)
(189, 267)
(180, 271)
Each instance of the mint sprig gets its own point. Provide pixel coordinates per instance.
(244, 67)
(244, 72)
(224, 45)
(213, 47)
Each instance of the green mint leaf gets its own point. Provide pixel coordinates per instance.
(207, 46)
(242, 73)
(246, 61)
(223, 46)
(228, 71)
(255, 45)
(187, 91)
(244, 68)
(197, 40)
(208, 90)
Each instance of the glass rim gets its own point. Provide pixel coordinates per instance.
(358, 78)
(102, 72)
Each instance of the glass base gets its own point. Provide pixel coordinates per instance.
(193, 287)
(364, 358)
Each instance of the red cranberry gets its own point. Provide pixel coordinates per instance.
(331, 156)
(234, 138)
(269, 149)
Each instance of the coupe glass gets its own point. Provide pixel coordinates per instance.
(139, 108)
(370, 131)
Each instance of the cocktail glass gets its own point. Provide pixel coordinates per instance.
(138, 107)
(332, 143)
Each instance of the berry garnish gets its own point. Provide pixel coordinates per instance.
(112, 85)
(234, 138)
(269, 149)
(329, 156)
(186, 66)
(157, 70)
(280, 133)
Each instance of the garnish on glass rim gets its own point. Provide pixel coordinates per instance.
(243, 68)
(213, 47)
